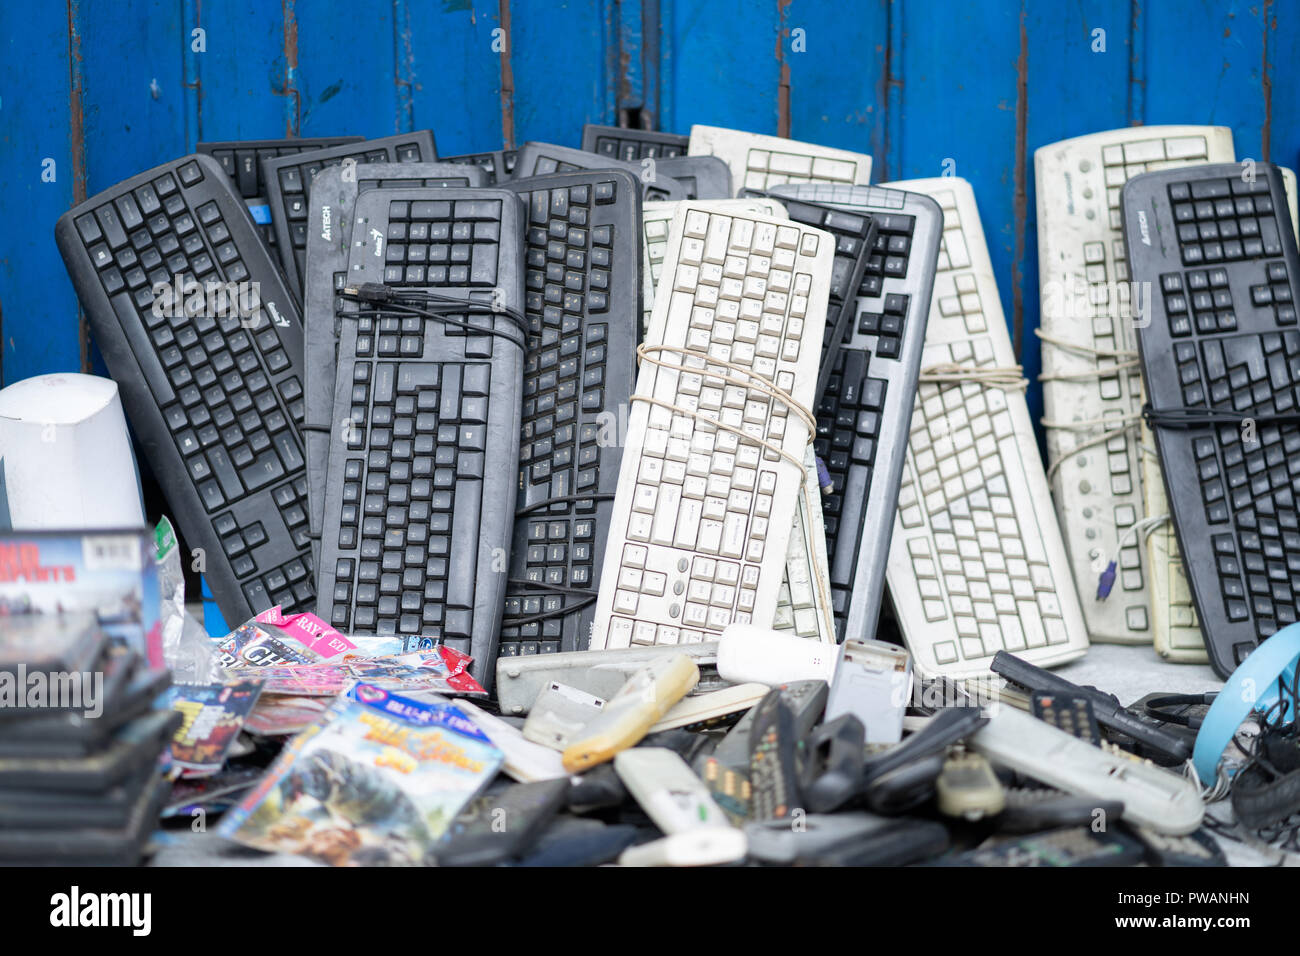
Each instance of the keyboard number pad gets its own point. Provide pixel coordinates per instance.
(414, 490)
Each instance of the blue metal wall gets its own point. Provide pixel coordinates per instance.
(106, 89)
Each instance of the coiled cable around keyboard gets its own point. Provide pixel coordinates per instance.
(434, 305)
(755, 383)
(1009, 378)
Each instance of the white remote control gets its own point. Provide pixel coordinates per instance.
(707, 846)
(667, 790)
(1166, 802)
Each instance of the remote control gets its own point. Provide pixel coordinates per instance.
(901, 842)
(834, 755)
(773, 761)
(806, 700)
(777, 841)
(968, 788)
(670, 794)
(706, 846)
(1071, 713)
(1106, 707)
(698, 711)
(496, 828)
(629, 714)
(1152, 796)
(1029, 811)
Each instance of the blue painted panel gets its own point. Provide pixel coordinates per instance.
(40, 322)
(959, 90)
(455, 76)
(836, 74)
(720, 66)
(341, 67)
(557, 54)
(245, 79)
(911, 82)
(1063, 45)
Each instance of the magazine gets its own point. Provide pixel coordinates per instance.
(273, 638)
(441, 670)
(213, 715)
(375, 783)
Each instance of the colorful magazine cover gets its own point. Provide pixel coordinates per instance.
(441, 670)
(110, 574)
(375, 783)
(278, 715)
(214, 714)
(273, 638)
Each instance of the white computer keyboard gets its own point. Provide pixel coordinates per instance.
(804, 604)
(1176, 632)
(1092, 385)
(976, 562)
(761, 162)
(656, 217)
(713, 462)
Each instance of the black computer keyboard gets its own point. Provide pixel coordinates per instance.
(1221, 364)
(542, 159)
(499, 164)
(866, 408)
(631, 145)
(855, 247)
(242, 160)
(701, 177)
(420, 489)
(583, 302)
(329, 237)
(288, 187)
(215, 396)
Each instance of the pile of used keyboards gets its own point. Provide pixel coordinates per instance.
(637, 438)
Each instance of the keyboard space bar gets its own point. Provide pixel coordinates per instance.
(463, 560)
(853, 503)
(129, 319)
